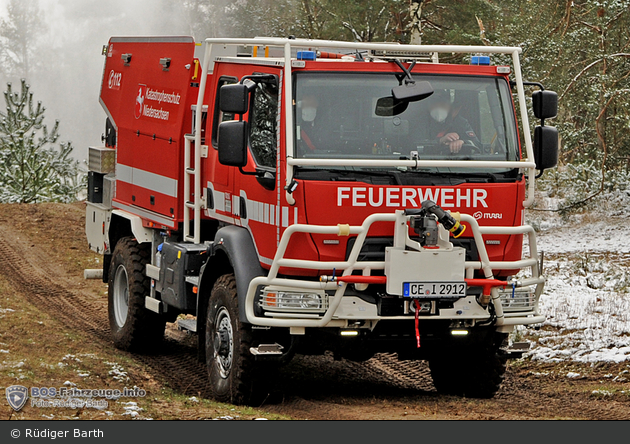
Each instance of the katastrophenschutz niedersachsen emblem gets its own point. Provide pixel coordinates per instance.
(17, 396)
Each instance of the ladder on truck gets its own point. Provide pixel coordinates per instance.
(195, 201)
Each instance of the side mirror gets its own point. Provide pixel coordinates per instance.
(388, 107)
(545, 147)
(545, 104)
(412, 91)
(233, 143)
(234, 99)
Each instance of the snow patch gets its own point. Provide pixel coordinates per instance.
(587, 295)
(602, 392)
(117, 372)
(132, 409)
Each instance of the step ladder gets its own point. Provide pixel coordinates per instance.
(195, 200)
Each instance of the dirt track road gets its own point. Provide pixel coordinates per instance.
(315, 388)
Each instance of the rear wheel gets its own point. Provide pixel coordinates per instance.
(235, 375)
(474, 371)
(133, 327)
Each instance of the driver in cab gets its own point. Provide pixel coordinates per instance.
(307, 113)
(445, 125)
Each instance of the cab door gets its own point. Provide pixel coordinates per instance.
(256, 185)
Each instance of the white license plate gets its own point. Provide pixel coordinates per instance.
(434, 290)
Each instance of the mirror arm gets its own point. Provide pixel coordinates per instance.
(257, 173)
(258, 78)
(526, 83)
(538, 84)
(248, 173)
(406, 71)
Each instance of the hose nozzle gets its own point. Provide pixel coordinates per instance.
(448, 221)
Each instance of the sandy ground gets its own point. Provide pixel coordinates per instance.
(42, 256)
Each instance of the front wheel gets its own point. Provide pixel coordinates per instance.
(133, 327)
(235, 375)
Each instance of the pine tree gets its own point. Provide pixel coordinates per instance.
(33, 167)
(19, 34)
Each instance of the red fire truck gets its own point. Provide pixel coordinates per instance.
(308, 196)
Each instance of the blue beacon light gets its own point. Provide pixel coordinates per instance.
(306, 55)
(480, 60)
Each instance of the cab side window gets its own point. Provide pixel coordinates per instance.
(263, 124)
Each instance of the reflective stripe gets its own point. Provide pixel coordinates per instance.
(144, 179)
(219, 197)
(261, 212)
(124, 173)
(150, 215)
(285, 217)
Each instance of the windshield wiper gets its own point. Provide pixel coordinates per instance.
(402, 177)
(492, 177)
(346, 174)
(467, 176)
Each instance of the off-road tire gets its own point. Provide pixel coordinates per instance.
(474, 372)
(142, 330)
(246, 381)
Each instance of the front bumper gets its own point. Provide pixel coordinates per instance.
(515, 304)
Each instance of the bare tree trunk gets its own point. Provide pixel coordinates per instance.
(415, 11)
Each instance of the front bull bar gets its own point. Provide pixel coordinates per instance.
(401, 234)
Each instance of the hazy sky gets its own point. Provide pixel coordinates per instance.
(70, 61)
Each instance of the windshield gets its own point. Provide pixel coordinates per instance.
(466, 118)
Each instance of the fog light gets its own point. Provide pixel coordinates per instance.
(349, 333)
(459, 332)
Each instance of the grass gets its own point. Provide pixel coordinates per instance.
(42, 352)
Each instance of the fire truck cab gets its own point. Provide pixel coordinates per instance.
(303, 196)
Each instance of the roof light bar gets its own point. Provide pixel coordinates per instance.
(404, 54)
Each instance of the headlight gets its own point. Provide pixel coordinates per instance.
(278, 299)
(310, 301)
